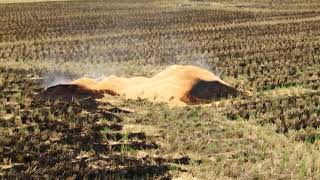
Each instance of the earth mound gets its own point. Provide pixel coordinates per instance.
(177, 85)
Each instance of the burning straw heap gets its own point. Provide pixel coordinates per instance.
(176, 85)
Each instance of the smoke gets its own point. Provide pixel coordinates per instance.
(67, 72)
(55, 78)
(99, 71)
(210, 63)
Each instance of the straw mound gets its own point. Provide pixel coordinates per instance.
(177, 85)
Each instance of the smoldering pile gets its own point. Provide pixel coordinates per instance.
(176, 85)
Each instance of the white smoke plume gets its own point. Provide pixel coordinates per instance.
(53, 79)
(204, 61)
(67, 72)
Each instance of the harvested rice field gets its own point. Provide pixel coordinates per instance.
(159, 89)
